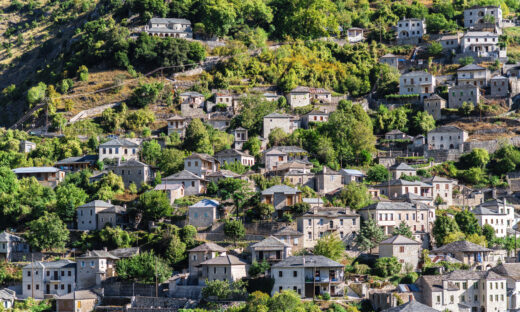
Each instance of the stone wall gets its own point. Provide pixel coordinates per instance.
(128, 289)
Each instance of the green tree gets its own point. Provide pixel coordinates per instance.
(151, 152)
(258, 268)
(435, 49)
(188, 234)
(171, 161)
(113, 238)
(463, 61)
(36, 93)
(176, 251)
(83, 73)
(403, 229)
(370, 235)
(253, 145)
(478, 157)
(234, 229)
(378, 173)
(286, 301)
(489, 232)
(197, 138)
(68, 198)
(330, 246)
(263, 210)
(443, 226)
(423, 122)
(218, 16)
(387, 266)
(154, 205)
(48, 232)
(143, 267)
(235, 189)
(145, 94)
(467, 222)
(355, 195)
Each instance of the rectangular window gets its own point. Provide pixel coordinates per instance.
(280, 274)
(295, 273)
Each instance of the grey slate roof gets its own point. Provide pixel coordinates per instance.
(277, 115)
(281, 188)
(511, 270)
(159, 20)
(132, 163)
(399, 240)
(331, 212)
(223, 174)
(287, 231)
(183, 175)
(209, 246)
(268, 243)
(8, 237)
(7, 294)
(224, 260)
(205, 203)
(470, 66)
(446, 129)
(78, 159)
(231, 152)
(461, 246)
(125, 252)
(201, 156)
(36, 170)
(307, 262)
(435, 96)
(98, 254)
(401, 182)
(79, 295)
(411, 306)
(480, 210)
(402, 167)
(97, 204)
(285, 149)
(51, 265)
(119, 142)
(394, 205)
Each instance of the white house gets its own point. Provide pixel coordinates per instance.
(417, 82)
(476, 15)
(498, 214)
(410, 30)
(169, 27)
(446, 137)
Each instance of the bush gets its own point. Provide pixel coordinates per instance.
(361, 268)
(387, 266)
(326, 296)
(409, 278)
(258, 268)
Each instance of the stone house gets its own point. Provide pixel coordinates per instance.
(399, 169)
(463, 290)
(410, 30)
(7, 298)
(351, 175)
(297, 173)
(177, 124)
(201, 164)
(223, 268)
(499, 86)
(468, 93)
(355, 34)
(473, 75)
(40, 279)
(417, 82)
(389, 215)
(476, 15)
(433, 105)
(443, 188)
(11, 246)
(193, 99)
(320, 95)
(291, 237)
(202, 253)
(270, 249)
(169, 27)
(192, 183)
(94, 267)
(134, 171)
(482, 44)
(277, 155)
(285, 122)
(390, 59)
(446, 137)
(119, 149)
(96, 214)
(511, 271)
(410, 306)
(77, 163)
(328, 180)
(27, 146)
(281, 196)
(308, 276)
(222, 174)
(498, 214)
(394, 189)
(406, 250)
(232, 155)
(396, 134)
(298, 97)
(46, 176)
(204, 213)
(173, 191)
(271, 97)
(316, 223)
(241, 137)
(450, 42)
(219, 120)
(314, 116)
(224, 97)
(77, 301)
(473, 255)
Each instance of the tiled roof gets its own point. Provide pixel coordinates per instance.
(471, 67)
(79, 295)
(285, 149)
(446, 129)
(395, 205)
(331, 212)
(99, 254)
(402, 167)
(205, 203)
(8, 237)
(119, 142)
(223, 174)
(36, 170)
(78, 159)
(300, 89)
(461, 246)
(434, 96)
(224, 260)
(176, 117)
(277, 115)
(287, 231)
(97, 204)
(50, 265)
(511, 270)
(182, 175)
(209, 246)
(412, 306)
(231, 152)
(269, 242)
(399, 240)
(307, 261)
(167, 187)
(160, 20)
(201, 156)
(132, 163)
(281, 188)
